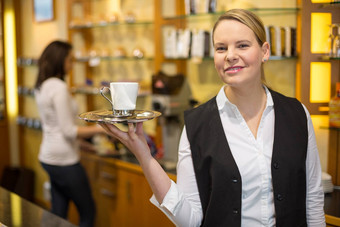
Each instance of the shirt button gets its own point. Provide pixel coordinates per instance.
(279, 197)
(235, 180)
(235, 211)
(276, 165)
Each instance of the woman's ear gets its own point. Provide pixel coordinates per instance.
(265, 51)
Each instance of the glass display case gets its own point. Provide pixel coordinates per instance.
(113, 41)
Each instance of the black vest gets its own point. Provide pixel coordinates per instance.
(218, 179)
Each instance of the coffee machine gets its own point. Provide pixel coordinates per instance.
(171, 95)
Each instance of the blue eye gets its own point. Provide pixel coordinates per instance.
(220, 48)
(243, 46)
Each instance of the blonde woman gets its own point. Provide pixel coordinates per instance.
(248, 156)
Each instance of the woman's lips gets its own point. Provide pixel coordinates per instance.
(233, 69)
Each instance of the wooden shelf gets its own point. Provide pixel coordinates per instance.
(109, 24)
(261, 11)
(111, 58)
(273, 58)
(327, 58)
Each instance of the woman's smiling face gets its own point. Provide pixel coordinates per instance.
(238, 56)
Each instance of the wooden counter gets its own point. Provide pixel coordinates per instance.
(122, 193)
(332, 208)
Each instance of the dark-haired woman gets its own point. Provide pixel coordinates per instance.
(59, 153)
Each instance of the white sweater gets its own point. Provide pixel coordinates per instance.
(58, 112)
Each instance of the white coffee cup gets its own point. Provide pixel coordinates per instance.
(123, 97)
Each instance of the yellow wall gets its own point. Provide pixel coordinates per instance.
(37, 35)
(10, 77)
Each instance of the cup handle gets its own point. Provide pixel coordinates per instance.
(102, 93)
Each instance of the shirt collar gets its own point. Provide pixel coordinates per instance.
(222, 99)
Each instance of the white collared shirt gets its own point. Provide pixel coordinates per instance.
(253, 158)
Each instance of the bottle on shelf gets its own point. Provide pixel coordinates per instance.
(330, 40)
(334, 108)
(336, 43)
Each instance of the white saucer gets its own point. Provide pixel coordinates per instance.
(107, 116)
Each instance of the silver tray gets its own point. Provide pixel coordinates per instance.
(107, 116)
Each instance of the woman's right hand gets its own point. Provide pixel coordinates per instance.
(133, 139)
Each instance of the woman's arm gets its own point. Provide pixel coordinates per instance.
(315, 194)
(180, 202)
(88, 131)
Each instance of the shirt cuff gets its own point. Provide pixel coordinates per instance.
(171, 200)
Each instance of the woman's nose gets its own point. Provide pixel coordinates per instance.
(231, 55)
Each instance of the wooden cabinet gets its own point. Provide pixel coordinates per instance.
(121, 194)
(131, 199)
(105, 193)
(316, 16)
(133, 205)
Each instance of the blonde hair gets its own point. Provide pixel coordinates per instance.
(250, 20)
